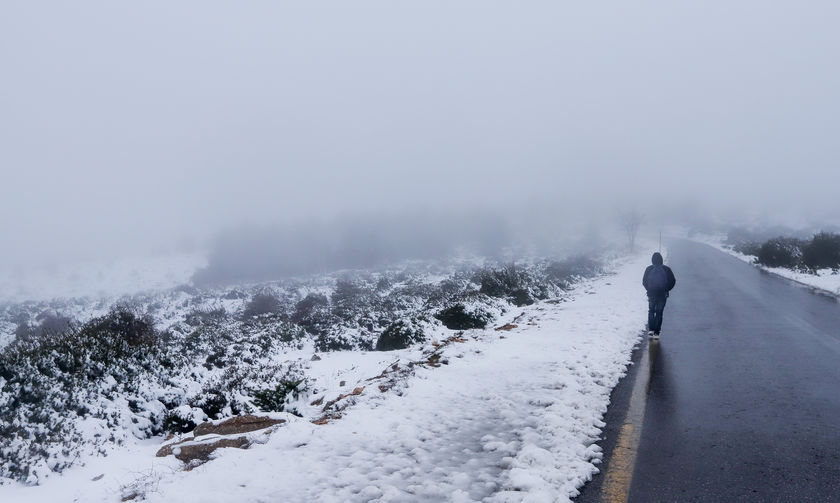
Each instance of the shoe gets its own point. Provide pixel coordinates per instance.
(656, 335)
(650, 333)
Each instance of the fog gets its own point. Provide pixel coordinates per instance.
(146, 127)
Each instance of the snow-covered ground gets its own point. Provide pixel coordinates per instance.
(823, 279)
(508, 416)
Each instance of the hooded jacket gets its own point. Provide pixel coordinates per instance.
(656, 260)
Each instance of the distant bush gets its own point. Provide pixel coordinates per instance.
(747, 248)
(335, 339)
(823, 251)
(122, 324)
(48, 324)
(351, 297)
(234, 294)
(400, 335)
(270, 330)
(510, 282)
(459, 317)
(262, 303)
(781, 252)
(500, 282)
(738, 235)
(205, 316)
(313, 314)
(564, 273)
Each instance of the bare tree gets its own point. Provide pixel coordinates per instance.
(630, 222)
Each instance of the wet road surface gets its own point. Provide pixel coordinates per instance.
(743, 390)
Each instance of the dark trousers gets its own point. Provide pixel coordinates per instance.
(656, 305)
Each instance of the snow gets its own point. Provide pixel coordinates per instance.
(826, 280)
(509, 416)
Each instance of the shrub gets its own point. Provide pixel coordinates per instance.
(275, 399)
(509, 282)
(49, 324)
(212, 401)
(400, 335)
(234, 294)
(748, 248)
(119, 334)
(351, 298)
(262, 303)
(334, 339)
(738, 235)
(124, 324)
(458, 317)
(204, 316)
(823, 251)
(500, 282)
(49, 382)
(182, 419)
(564, 273)
(781, 252)
(313, 314)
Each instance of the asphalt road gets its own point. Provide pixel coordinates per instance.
(743, 390)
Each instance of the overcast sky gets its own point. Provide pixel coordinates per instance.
(131, 126)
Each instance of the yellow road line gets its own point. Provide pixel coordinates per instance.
(616, 486)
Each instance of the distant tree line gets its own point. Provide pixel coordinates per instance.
(821, 251)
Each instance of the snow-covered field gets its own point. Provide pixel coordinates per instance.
(506, 416)
(823, 279)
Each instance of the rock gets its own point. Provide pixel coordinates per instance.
(190, 451)
(356, 391)
(236, 425)
(506, 327)
(207, 437)
(315, 358)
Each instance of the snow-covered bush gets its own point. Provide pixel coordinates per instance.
(261, 303)
(822, 252)
(48, 323)
(747, 248)
(462, 317)
(401, 334)
(313, 314)
(564, 273)
(47, 383)
(275, 399)
(205, 316)
(182, 419)
(781, 252)
(509, 282)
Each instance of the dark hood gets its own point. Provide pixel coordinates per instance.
(656, 259)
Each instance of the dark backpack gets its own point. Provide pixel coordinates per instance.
(658, 279)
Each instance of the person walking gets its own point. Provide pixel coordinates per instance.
(658, 280)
